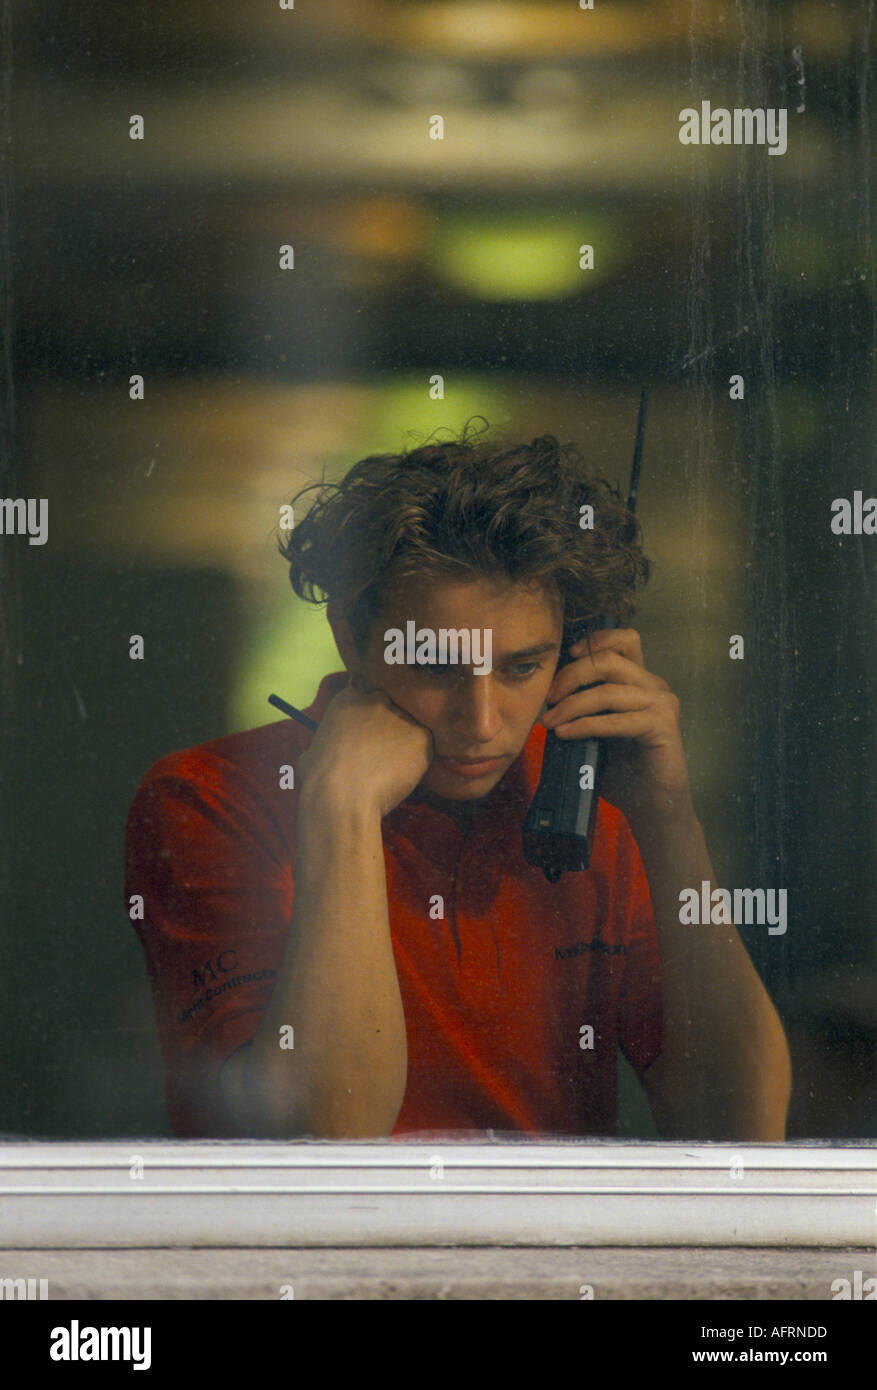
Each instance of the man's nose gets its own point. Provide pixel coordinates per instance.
(476, 708)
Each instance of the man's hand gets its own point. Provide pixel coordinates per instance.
(367, 750)
(646, 773)
(723, 1072)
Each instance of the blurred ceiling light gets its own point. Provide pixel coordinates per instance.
(518, 27)
(624, 27)
(520, 257)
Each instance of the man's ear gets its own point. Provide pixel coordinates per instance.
(344, 640)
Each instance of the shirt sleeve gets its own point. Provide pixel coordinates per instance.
(640, 1004)
(207, 857)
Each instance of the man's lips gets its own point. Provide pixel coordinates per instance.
(449, 758)
(473, 767)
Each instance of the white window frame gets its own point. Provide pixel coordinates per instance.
(306, 1193)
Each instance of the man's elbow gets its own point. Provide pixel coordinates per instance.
(742, 1096)
(251, 1109)
(245, 1109)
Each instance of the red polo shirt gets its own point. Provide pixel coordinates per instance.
(501, 972)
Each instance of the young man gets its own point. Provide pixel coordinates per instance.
(343, 937)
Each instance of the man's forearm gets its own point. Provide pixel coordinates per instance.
(345, 1075)
(724, 1071)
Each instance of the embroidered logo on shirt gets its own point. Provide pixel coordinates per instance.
(267, 974)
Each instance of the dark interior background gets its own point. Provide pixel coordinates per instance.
(414, 257)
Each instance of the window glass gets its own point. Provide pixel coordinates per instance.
(249, 250)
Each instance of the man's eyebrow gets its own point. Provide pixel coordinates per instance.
(538, 650)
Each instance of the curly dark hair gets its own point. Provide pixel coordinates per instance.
(469, 506)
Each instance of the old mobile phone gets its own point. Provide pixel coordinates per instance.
(558, 832)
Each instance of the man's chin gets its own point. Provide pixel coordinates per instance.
(445, 780)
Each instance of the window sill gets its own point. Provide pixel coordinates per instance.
(371, 1194)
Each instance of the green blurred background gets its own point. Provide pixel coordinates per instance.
(415, 258)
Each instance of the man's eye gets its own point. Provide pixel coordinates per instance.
(520, 671)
